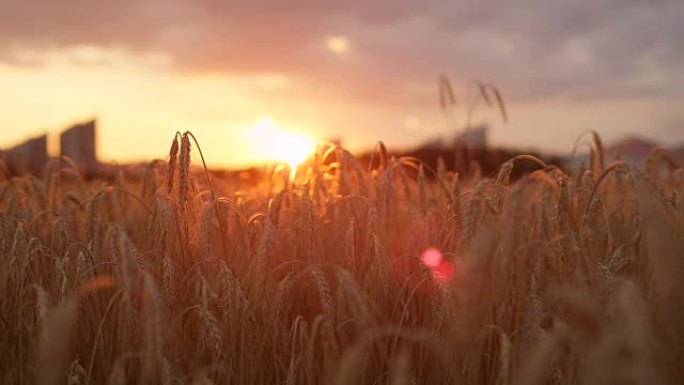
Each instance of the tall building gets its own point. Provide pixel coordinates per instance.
(28, 157)
(78, 143)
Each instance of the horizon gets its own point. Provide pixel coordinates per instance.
(275, 155)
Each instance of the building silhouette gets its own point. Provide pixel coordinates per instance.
(76, 142)
(27, 157)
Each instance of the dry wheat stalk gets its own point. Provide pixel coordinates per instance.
(324, 293)
(422, 189)
(4, 234)
(153, 340)
(211, 335)
(42, 304)
(350, 244)
(358, 305)
(206, 225)
(538, 368)
(401, 369)
(168, 280)
(184, 171)
(54, 347)
(76, 374)
(171, 168)
(260, 261)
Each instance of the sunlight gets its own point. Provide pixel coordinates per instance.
(276, 144)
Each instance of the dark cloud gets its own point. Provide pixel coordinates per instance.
(569, 48)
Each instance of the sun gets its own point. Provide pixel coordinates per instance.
(279, 145)
(338, 45)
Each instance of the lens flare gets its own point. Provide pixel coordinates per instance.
(433, 259)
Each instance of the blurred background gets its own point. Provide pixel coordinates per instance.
(246, 76)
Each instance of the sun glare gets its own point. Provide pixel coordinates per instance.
(276, 144)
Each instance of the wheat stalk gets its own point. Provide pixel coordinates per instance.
(171, 168)
(184, 171)
(55, 343)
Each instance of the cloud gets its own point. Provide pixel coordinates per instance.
(540, 49)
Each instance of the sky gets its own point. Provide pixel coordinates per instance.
(359, 71)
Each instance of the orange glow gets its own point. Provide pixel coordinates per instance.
(276, 144)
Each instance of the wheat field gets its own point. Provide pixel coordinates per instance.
(181, 277)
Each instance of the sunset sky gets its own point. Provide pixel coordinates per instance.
(362, 71)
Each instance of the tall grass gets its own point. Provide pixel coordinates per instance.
(558, 277)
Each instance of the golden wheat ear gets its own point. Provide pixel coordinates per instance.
(171, 168)
(184, 171)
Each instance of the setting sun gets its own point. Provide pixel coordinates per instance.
(337, 44)
(277, 144)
